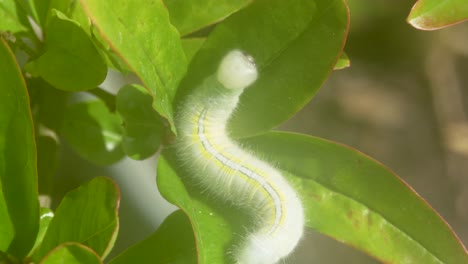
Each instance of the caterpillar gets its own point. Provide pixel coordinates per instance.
(229, 172)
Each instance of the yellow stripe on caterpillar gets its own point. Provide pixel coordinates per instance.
(232, 173)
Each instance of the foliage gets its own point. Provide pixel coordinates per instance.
(171, 47)
(434, 14)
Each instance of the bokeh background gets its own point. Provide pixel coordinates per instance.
(404, 102)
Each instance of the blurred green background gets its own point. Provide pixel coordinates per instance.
(403, 102)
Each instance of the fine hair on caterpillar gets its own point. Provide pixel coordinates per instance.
(224, 169)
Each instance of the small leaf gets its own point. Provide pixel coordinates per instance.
(190, 16)
(143, 36)
(143, 126)
(343, 62)
(435, 14)
(86, 215)
(46, 9)
(19, 206)
(5, 258)
(10, 19)
(71, 253)
(356, 200)
(94, 132)
(46, 217)
(73, 64)
(173, 243)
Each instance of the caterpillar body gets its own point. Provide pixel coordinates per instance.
(234, 174)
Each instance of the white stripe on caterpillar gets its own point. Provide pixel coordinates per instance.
(232, 173)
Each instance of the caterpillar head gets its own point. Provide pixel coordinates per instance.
(237, 70)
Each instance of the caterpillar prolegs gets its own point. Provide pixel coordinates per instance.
(234, 174)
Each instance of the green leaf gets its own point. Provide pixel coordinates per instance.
(71, 253)
(213, 222)
(87, 215)
(435, 14)
(343, 62)
(46, 217)
(143, 126)
(295, 45)
(94, 132)
(19, 206)
(190, 16)
(173, 243)
(73, 64)
(143, 36)
(10, 20)
(356, 200)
